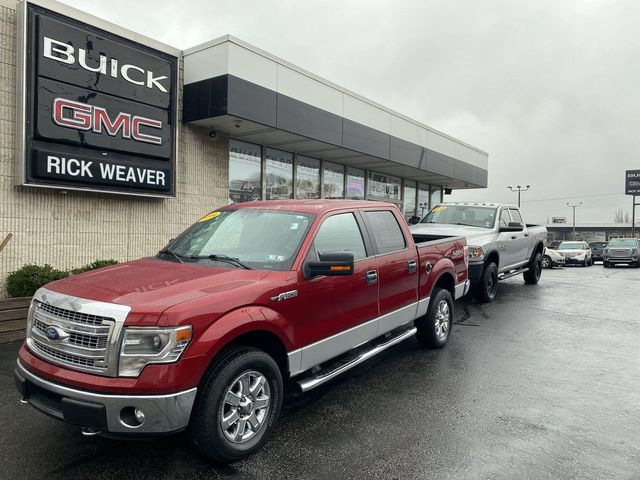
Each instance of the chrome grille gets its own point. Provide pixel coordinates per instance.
(63, 357)
(86, 346)
(620, 252)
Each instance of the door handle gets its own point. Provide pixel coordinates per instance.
(372, 277)
(513, 237)
(412, 266)
(526, 234)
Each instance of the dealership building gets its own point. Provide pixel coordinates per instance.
(112, 143)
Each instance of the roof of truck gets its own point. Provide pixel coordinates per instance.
(480, 204)
(314, 206)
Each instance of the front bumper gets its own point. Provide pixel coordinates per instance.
(574, 261)
(475, 272)
(108, 413)
(628, 260)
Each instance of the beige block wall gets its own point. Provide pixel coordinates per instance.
(70, 229)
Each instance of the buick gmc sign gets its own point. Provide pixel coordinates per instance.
(98, 110)
(632, 182)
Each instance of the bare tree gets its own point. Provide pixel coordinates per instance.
(620, 216)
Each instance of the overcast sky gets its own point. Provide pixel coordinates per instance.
(551, 89)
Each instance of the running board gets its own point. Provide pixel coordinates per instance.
(504, 276)
(325, 375)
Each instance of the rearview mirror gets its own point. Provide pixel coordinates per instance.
(330, 264)
(512, 227)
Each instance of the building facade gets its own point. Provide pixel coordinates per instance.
(248, 126)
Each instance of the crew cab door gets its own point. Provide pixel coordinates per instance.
(507, 242)
(331, 313)
(397, 268)
(524, 242)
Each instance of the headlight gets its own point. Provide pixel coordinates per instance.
(141, 346)
(475, 253)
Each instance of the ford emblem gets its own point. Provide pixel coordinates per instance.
(55, 333)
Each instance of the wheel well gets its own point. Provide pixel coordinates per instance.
(447, 282)
(539, 249)
(265, 341)
(492, 257)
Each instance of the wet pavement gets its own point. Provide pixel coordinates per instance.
(543, 383)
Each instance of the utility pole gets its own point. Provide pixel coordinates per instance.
(519, 189)
(574, 206)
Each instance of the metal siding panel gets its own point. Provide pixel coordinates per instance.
(466, 172)
(308, 90)
(407, 153)
(365, 139)
(483, 180)
(205, 99)
(440, 164)
(312, 122)
(252, 102)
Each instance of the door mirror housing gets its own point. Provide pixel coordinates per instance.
(414, 219)
(331, 264)
(513, 227)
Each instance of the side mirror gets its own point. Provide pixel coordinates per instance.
(513, 227)
(330, 264)
(414, 219)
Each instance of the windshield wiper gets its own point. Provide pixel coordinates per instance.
(171, 252)
(222, 258)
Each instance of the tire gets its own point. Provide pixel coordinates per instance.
(434, 329)
(584, 263)
(239, 370)
(606, 264)
(486, 289)
(546, 262)
(532, 276)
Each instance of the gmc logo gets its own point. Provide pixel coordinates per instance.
(81, 116)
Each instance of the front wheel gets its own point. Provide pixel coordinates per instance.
(238, 405)
(606, 264)
(486, 289)
(546, 262)
(434, 329)
(532, 276)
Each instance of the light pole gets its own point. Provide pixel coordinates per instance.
(519, 189)
(574, 206)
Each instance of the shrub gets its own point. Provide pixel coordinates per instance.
(26, 280)
(93, 266)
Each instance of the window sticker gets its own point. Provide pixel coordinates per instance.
(439, 208)
(209, 216)
(275, 258)
(294, 226)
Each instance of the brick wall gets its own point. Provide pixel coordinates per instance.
(74, 228)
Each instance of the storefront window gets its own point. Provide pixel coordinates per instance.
(355, 183)
(307, 177)
(409, 201)
(423, 199)
(384, 186)
(333, 180)
(436, 196)
(278, 174)
(244, 172)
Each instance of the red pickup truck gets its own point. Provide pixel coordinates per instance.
(203, 334)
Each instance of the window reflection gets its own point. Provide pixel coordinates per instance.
(278, 174)
(423, 199)
(409, 203)
(355, 183)
(245, 182)
(436, 196)
(307, 177)
(333, 180)
(384, 186)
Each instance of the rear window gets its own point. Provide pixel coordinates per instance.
(386, 232)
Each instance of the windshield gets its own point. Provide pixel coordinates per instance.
(623, 242)
(259, 239)
(473, 216)
(571, 246)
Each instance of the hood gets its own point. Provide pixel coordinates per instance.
(150, 286)
(474, 235)
(578, 251)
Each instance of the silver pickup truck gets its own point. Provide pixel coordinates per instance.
(500, 244)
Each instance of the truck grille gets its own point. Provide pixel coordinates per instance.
(620, 252)
(86, 346)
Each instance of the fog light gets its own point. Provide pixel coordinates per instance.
(139, 415)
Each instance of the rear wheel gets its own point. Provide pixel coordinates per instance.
(238, 405)
(532, 276)
(486, 289)
(434, 329)
(546, 262)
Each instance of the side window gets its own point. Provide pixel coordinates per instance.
(339, 233)
(504, 217)
(386, 231)
(515, 214)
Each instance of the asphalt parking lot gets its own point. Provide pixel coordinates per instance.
(543, 383)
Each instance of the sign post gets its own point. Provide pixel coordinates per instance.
(632, 187)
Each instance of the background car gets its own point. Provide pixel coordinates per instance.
(576, 252)
(622, 250)
(597, 249)
(552, 258)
